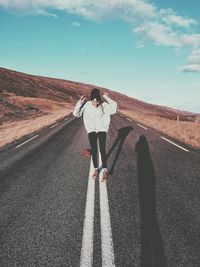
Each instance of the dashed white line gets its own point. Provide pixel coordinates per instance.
(27, 141)
(107, 249)
(142, 126)
(174, 144)
(88, 228)
(128, 119)
(55, 125)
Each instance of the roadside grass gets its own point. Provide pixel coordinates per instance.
(12, 131)
(186, 131)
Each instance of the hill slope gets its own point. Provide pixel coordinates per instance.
(28, 103)
(25, 96)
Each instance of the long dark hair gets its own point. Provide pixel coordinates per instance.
(95, 94)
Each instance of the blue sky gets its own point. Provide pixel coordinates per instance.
(149, 50)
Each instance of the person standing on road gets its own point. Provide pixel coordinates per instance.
(96, 117)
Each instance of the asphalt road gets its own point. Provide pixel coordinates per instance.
(52, 214)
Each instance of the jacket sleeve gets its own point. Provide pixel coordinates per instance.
(79, 108)
(111, 106)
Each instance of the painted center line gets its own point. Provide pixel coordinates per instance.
(86, 259)
(108, 259)
(128, 119)
(142, 126)
(174, 144)
(54, 125)
(27, 141)
(88, 228)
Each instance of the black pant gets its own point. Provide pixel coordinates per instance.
(93, 137)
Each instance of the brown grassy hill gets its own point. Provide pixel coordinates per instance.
(24, 96)
(27, 98)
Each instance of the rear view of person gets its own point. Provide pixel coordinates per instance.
(96, 117)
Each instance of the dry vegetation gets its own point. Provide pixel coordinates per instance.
(186, 131)
(14, 130)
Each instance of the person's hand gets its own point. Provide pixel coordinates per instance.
(83, 98)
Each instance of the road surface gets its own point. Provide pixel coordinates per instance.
(53, 214)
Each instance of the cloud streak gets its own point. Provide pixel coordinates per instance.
(193, 62)
(76, 24)
(95, 10)
(163, 27)
(158, 33)
(169, 16)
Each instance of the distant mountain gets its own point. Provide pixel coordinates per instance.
(25, 96)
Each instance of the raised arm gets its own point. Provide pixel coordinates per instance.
(112, 105)
(79, 107)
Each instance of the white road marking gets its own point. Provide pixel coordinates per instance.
(27, 141)
(128, 119)
(142, 126)
(108, 259)
(174, 144)
(88, 228)
(66, 119)
(54, 125)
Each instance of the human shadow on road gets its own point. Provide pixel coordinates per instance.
(152, 250)
(122, 134)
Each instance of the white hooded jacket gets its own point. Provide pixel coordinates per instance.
(96, 119)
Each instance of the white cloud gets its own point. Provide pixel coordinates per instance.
(161, 30)
(190, 40)
(160, 26)
(139, 44)
(193, 62)
(90, 9)
(195, 57)
(191, 68)
(180, 21)
(76, 24)
(169, 16)
(43, 12)
(160, 34)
